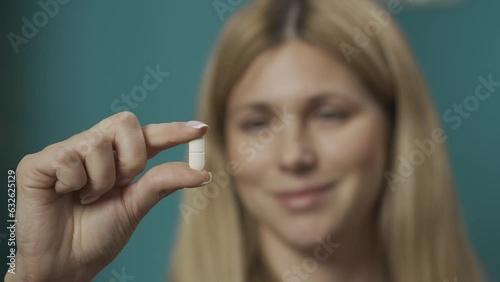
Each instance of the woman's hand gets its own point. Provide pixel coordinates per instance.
(76, 205)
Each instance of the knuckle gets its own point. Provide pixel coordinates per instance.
(50, 148)
(97, 139)
(155, 178)
(89, 140)
(105, 125)
(65, 155)
(128, 118)
(22, 164)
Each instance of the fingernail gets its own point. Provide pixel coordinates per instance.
(196, 124)
(89, 199)
(209, 180)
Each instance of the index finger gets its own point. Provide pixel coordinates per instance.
(162, 136)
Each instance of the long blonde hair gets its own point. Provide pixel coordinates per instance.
(419, 221)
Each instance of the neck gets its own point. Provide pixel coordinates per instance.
(353, 256)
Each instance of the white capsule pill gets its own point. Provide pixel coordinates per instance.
(197, 153)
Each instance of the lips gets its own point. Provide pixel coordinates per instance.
(303, 198)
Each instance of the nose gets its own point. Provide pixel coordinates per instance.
(296, 152)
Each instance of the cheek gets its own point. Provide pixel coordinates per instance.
(251, 156)
(253, 165)
(359, 148)
(357, 159)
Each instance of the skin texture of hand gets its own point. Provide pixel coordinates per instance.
(76, 205)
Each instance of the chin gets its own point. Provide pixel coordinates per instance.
(306, 234)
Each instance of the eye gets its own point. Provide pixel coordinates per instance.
(331, 114)
(254, 124)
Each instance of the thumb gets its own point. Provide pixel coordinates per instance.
(159, 182)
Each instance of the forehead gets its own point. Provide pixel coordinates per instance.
(295, 71)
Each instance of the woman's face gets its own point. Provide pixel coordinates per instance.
(310, 142)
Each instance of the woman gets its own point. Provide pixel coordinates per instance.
(311, 107)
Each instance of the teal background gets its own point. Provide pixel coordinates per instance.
(65, 79)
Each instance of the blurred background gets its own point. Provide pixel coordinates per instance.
(65, 69)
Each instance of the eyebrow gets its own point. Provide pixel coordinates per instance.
(317, 99)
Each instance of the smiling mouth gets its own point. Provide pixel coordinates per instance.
(305, 198)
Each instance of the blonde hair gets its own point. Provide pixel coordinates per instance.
(419, 220)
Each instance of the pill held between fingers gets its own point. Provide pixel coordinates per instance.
(197, 153)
